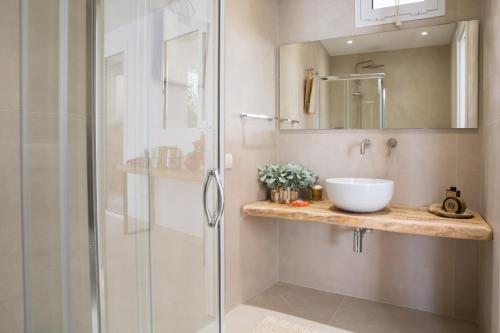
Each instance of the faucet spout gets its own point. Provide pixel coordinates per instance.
(366, 143)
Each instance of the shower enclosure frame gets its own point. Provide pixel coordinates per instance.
(357, 77)
(94, 43)
(94, 40)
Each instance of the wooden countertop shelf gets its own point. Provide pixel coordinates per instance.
(181, 174)
(401, 219)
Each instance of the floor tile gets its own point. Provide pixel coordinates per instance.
(244, 318)
(298, 301)
(361, 316)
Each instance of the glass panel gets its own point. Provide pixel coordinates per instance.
(157, 139)
(184, 251)
(349, 103)
(391, 3)
(334, 104)
(122, 172)
(55, 224)
(365, 110)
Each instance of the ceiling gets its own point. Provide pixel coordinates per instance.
(392, 40)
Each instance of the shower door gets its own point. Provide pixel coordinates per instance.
(159, 192)
(353, 101)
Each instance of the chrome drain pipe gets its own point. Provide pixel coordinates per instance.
(359, 233)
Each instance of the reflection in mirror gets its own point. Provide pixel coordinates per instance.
(417, 78)
(114, 110)
(184, 59)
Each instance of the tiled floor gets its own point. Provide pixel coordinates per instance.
(353, 314)
(244, 318)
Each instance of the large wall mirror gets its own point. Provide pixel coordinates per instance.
(415, 78)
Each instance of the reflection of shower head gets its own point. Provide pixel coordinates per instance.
(368, 64)
(373, 66)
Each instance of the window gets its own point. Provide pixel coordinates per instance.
(377, 4)
(375, 12)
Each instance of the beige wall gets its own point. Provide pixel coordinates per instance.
(490, 127)
(11, 294)
(417, 83)
(251, 244)
(425, 273)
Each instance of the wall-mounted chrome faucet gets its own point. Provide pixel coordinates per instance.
(366, 143)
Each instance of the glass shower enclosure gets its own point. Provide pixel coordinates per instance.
(120, 144)
(351, 101)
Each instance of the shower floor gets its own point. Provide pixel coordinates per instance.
(334, 313)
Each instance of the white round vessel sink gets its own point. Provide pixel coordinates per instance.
(360, 195)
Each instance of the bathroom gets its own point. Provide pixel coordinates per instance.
(134, 132)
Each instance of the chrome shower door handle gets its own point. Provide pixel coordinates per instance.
(215, 217)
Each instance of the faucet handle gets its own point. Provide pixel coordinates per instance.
(365, 143)
(391, 144)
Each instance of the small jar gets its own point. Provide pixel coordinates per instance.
(317, 192)
(294, 194)
(275, 195)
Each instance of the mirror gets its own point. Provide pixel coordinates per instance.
(416, 78)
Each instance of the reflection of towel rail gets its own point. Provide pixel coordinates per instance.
(291, 121)
(256, 116)
(378, 76)
(268, 118)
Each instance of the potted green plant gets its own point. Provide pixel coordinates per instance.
(285, 181)
(298, 178)
(271, 176)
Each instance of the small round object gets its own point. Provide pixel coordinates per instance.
(453, 205)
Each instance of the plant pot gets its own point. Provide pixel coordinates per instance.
(284, 195)
(275, 195)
